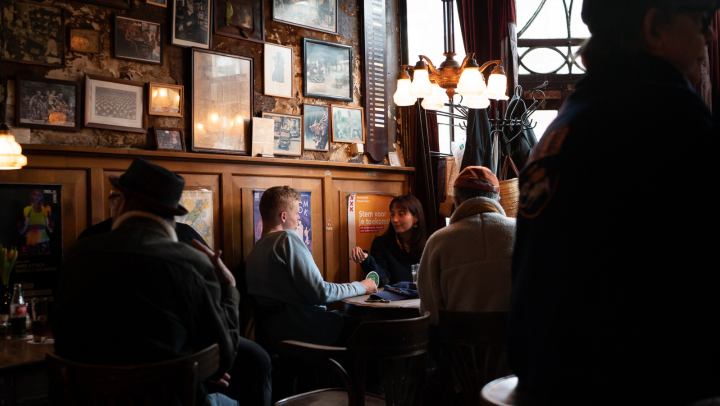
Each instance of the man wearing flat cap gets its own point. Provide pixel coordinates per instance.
(137, 296)
(615, 273)
(466, 265)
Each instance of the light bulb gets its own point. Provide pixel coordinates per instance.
(11, 156)
(402, 96)
(200, 126)
(154, 94)
(421, 86)
(214, 117)
(477, 102)
(437, 100)
(471, 83)
(239, 119)
(497, 84)
(163, 92)
(177, 100)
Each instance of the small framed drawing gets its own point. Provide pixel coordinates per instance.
(277, 64)
(33, 34)
(316, 15)
(316, 120)
(165, 100)
(287, 133)
(222, 101)
(241, 19)
(191, 23)
(85, 41)
(327, 70)
(161, 3)
(114, 104)
(47, 104)
(137, 40)
(348, 124)
(169, 139)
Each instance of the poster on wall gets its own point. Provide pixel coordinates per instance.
(199, 204)
(31, 221)
(368, 217)
(304, 226)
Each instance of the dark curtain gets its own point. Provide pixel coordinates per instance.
(418, 180)
(714, 68)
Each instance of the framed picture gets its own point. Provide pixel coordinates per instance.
(114, 104)
(287, 133)
(317, 15)
(348, 124)
(316, 120)
(47, 104)
(165, 100)
(191, 23)
(33, 34)
(169, 139)
(327, 70)
(241, 19)
(277, 64)
(86, 41)
(222, 102)
(137, 40)
(121, 4)
(161, 3)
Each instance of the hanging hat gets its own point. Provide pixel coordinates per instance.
(154, 185)
(478, 177)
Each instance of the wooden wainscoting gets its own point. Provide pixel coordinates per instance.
(84, 174)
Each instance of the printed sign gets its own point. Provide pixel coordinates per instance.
(368, 217)
(199, 204)
(304, 226)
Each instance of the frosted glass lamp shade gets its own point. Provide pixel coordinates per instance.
(497, 87)
(471, 83)
(11, 156)
(477, 102)
(437, 100)
(421, 86)
(402, 96)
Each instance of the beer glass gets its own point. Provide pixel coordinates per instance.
(39, 319)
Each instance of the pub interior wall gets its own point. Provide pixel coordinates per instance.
(176, 69)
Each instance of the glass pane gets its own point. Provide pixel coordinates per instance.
(543, 60)
(578, 60)
(525, 10)
(578, 29)
(426, 32)
(550, 23)
(444, 133)
(543, 118)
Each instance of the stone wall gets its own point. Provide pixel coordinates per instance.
(176, 69)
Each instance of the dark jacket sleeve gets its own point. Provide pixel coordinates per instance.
(377, 259)
(216, 319)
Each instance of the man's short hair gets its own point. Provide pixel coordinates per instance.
(276, 199)
(466, 193)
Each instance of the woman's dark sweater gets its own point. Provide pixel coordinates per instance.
(390, 262)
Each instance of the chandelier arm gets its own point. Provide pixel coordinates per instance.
(488, 63)
(431, 67)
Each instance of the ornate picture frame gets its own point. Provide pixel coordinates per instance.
(115, 104)
(327, 70)
(241, 19)
(48, 104)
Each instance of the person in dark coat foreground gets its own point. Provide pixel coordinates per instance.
(615, 274)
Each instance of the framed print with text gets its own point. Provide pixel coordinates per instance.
(320, 15)
(277, 70)
(348, 124)
(241, 19)
(316, 120)
(191, 23)
(327, 70)
(47, 104)
(222, 102)
(115, 104)
(287, 133)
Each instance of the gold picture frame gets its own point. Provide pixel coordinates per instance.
(346, 123)
(165, 100)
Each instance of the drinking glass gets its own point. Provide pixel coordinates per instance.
(39, 319)
(414, 269)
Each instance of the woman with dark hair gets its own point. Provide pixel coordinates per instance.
(393, 253)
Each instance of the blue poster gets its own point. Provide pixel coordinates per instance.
(304, 226)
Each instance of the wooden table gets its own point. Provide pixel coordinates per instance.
(23, 380)
(395, 310)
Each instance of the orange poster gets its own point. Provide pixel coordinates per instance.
(368, 217)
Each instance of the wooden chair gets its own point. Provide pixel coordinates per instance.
(471, 346)
(73, 383)
(399, 346)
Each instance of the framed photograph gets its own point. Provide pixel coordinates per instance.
(165, 100)
(121, 4)
(348, 124)
(241, 19)
(114, 104)
(222, 102)
(316, 120)
(320, 15)
(287, 133)
(277, 64)
(85, 41)
(47, 104)
(161, 3)
(169, 139)
(191, 23)
(137, 40)
(33, 34)
(327, 70)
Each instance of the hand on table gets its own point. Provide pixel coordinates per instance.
(358, 255)
(370, 286)
(223, 274)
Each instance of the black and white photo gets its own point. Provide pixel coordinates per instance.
(33, 34)
(241, 19)
(47, 104)
(327, 72)
(137, 40)
(287, 133)
(191, 23)
(278, 63)
(318, 15)
(114, 104)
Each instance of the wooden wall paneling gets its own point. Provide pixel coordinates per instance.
(97, 197)
(229, 221)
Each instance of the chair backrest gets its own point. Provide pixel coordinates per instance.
(473, 344)
(261, 312)
(161, 383)
(400, 347)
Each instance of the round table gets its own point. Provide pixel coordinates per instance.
(395, 310)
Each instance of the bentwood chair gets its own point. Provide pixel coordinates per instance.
(399, 346)
(472, 346)
(162, 383)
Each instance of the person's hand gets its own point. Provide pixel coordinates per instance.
(370, 286)
(223, 274)
(358, 255)
(223, 381)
